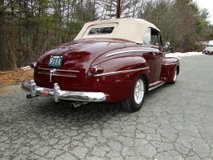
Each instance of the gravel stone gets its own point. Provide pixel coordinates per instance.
(175, 123)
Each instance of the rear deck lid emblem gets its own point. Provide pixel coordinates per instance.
(52, 72)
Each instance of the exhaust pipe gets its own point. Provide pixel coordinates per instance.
(29, 96)
(78, 104)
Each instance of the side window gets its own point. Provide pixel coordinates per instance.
(155, 38)
(152, 37)
(101, 30)
(147, 36)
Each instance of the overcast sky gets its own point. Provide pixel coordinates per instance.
(208, 4)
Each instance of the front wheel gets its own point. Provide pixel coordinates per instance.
(136, 99)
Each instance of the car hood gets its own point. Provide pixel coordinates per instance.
(80, 54)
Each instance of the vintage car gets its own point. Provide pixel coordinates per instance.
(208, 50)
(116, 60)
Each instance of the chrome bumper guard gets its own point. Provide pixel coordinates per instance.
(58, 94)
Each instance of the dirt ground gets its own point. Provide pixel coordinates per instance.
(14, 77)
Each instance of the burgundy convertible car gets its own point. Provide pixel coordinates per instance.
(116, 60)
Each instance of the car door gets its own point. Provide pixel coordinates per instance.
(158, 65)
(154, 55)
(156, 43)
(150, 59)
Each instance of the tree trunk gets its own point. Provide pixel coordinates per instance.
(118, 8)
(2, 38)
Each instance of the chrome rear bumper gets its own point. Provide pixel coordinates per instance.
(58, 94)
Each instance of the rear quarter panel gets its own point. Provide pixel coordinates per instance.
(120, 74)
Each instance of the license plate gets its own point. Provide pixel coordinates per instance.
(55, 61)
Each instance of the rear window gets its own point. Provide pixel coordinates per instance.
(101, 30)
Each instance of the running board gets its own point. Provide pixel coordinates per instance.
(156, 85)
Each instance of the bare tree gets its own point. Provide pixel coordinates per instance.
(28, 28)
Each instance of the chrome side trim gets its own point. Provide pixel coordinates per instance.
(63, 70)
(118, 72)
(46, 69)
(63, 75)
(46, 73)
(59, 94)
(60, 70)
(134, 50)
(156, 85)
(55, 74)
(166, 64)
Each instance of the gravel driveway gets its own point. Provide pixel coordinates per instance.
(175, 123)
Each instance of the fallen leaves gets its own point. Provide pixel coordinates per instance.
(15, 76)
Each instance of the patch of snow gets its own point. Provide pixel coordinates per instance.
(210, 43)
(26, 68)
(186, 54)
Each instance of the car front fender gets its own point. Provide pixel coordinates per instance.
(170, 64)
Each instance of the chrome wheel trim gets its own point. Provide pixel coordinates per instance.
(139, 91)
(175, 75)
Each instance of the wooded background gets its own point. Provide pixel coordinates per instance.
(28, 28)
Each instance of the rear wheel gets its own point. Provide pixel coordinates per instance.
(136, 99)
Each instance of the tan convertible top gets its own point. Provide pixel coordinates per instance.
(131, 29)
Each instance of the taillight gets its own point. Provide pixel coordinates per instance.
(96, 69)
(33, 65)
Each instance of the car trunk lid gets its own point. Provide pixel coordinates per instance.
(76, 58)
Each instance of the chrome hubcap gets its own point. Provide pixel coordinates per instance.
(139, 91)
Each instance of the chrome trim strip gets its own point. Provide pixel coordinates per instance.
(154, 83)
(63, 75)
(160, 84)
(118, 72)
(60, 70)
(52, 72)
(55, 74)
(166, 64)
(58, 94)
(46, 69)
(46, 73)
(135, 50)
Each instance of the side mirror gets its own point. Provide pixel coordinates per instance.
(167, 47)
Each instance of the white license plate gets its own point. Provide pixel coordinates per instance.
(55, 61)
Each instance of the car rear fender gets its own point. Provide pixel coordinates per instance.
(118, 78)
